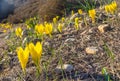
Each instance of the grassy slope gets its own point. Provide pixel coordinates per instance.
(70, 46)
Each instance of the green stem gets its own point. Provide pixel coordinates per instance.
(38, 69)
(85, 21)
(61, 63)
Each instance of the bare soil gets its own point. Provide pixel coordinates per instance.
(70, 46)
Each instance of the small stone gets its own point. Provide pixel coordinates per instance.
(47, 44)
(91, 50)
(70, 40)
(118, 14)
(65, 67)
(103, 28)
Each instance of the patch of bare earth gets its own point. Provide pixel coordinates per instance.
(69, 46)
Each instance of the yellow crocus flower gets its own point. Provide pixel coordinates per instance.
(92, 14)
(18, 32)
(111, 8)
(80, 11)
(4, 31)
(63, 19)
(107, 8)
(72, 12)
(8, 26)
(35, 51)
(48, 28)
(2, 25)
(28, 27)
(60, 26)
(23, 56)
(54, 20)
(39, 28)
(76, 23)
(57, 17)
(114, 4)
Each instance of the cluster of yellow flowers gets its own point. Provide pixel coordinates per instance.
(46, 29)
(34, 50)
(39, 29)
(19, 32)
(111, 8)
(6, 26)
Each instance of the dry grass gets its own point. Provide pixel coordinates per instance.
(45, 9)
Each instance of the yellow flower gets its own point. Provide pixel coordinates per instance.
(114, 4)
(72, 12)
(111, 8)
(35, 51)
(18, 32)
(8, 26)
(2, 25)
(60, 26)
(54, 20)
(80, 11)
(63, 19)
(23, 56)
(48, 28)
(76, 23)
(107, 8)
(92, 14)
(28, 27)
(39, 28)
(4, 31)
(57, 17)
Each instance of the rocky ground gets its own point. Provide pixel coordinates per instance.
(70, 47)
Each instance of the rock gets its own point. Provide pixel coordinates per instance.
(91, 50)
(47, 44)
(70, 40)
(118, 14)
(65, 67)
(104, 27)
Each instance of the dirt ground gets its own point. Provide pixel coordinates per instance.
(70, 46)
